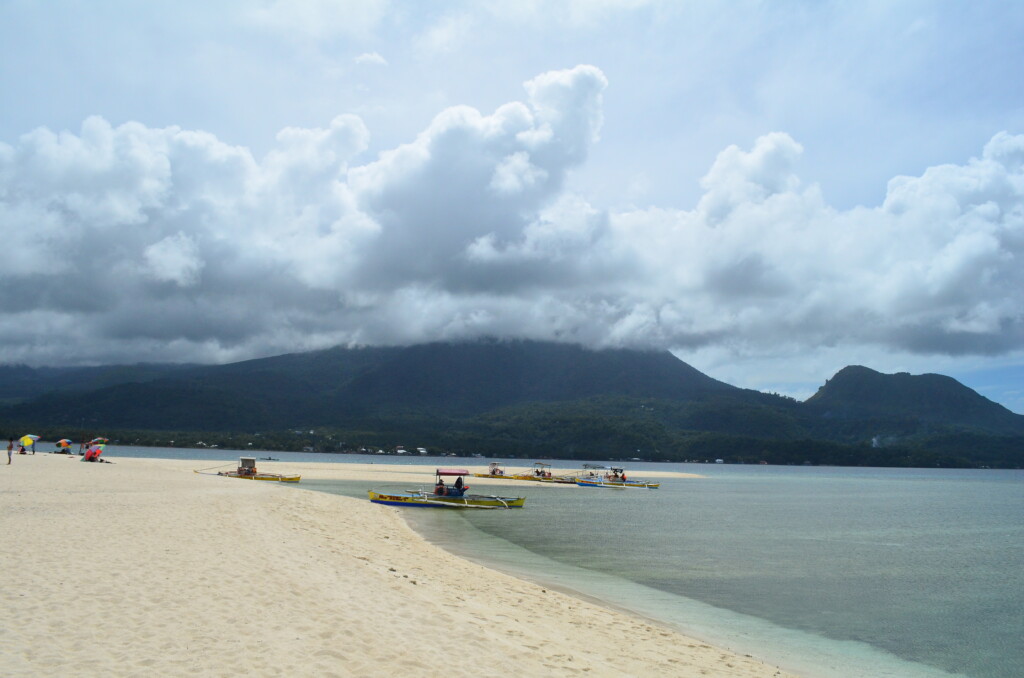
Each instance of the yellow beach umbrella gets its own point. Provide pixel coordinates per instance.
(28, 440)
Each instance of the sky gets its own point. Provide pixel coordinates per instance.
(770, 190)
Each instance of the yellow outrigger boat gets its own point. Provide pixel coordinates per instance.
(247, 471)
(494, 470)
(443, 496)
(540, 473)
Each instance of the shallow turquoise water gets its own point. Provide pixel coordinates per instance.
(875, 571)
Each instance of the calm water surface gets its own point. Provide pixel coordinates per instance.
(872, 571)
(830, 571)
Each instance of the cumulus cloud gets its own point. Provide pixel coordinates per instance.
(371, 58)
(469, 176)
(174, 259)
(135, 243)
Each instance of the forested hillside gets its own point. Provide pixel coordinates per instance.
(525, 399)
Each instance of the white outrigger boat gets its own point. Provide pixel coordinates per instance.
(444, 496)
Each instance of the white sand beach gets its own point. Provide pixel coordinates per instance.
(144, 568)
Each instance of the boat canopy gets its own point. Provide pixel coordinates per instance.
(452, 472)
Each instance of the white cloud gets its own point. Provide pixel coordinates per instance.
(372, 58)
(174, 259)
(469, 175)
(741, 179)
(516, 173)
(169, 243)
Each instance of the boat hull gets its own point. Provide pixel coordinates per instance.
(272, 477)
(541, 479)
(612, 483)
(423, 500)
(276, 478)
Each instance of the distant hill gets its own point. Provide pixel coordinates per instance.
(860, 394)
(527, 398)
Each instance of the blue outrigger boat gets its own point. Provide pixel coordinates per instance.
(615, 478)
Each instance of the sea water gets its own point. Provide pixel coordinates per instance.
(828, 571)
(831, 572)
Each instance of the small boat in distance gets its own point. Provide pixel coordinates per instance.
(443, 496)
(494, 470)
(247, 470)
(614, 477)
(541, 473)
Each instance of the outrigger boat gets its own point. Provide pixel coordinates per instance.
(541, 473)
(444, 496)
(247, 471)
(614, 478)
(494, 470)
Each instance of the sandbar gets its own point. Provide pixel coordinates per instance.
(141, 567)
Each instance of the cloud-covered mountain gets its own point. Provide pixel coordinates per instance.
(130, 243)
(350, 387)
(501, 394)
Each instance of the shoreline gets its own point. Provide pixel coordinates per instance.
(143, 566)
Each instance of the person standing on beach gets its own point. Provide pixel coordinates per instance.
(10, 449)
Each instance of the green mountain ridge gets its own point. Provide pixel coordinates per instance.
(537, 398)
(859, 393)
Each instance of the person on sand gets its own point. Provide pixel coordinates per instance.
(21, 449)
(10, 449)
